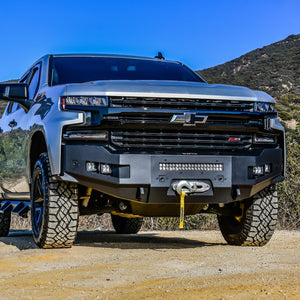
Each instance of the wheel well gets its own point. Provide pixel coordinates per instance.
(38, 146)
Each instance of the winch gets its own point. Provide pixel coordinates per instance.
(190, 187)
(184, 187)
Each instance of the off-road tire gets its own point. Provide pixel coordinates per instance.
(54, 208)
(126, 225)
(4, 223)
(256, 224)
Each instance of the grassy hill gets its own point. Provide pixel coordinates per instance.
(274, 69)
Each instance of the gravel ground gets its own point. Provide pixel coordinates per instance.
(150, 265)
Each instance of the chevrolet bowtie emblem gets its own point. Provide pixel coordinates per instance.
(188, 119)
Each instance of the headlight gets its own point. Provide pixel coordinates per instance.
(83, 102)
(264, 107)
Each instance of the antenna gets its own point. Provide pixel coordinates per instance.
(159, 56)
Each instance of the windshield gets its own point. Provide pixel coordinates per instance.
(85, 69)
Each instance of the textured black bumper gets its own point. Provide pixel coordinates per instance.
(149, 178)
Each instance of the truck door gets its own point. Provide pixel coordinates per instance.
(14, 141)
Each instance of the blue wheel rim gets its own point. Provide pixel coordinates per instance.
(38, 202)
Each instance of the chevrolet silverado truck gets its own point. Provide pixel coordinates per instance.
(136, 137)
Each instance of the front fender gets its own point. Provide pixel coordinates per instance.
(53, 133)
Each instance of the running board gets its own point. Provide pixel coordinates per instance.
(18, 206)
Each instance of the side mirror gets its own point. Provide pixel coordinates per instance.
(15, 92)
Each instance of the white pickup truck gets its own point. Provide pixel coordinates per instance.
(136, 137)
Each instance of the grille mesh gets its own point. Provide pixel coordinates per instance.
(179, 140)
(177, 103)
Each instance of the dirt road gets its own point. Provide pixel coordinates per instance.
(150, 265)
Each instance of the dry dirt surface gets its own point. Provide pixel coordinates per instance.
(150, 265)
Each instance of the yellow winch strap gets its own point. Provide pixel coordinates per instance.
(182, 196)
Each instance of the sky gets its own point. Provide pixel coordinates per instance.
(201, 34)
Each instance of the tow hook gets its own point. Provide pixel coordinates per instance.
(190, 187)
(184, 187)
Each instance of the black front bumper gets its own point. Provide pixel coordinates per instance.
(148, 178)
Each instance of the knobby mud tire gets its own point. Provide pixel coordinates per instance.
(257, 223)
(4, 223)
(54, 208)
(126, 225)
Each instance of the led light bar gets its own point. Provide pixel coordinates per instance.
(191, 167)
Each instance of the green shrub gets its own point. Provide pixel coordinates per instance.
(289, 190)
(284, 115)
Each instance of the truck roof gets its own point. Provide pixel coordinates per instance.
(106, 55)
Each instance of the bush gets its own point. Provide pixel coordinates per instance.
(284, 115)
(195, 222)
(289, 190)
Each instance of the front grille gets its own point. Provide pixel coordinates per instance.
(179, 103)
(179, 140)
(164, 119)
(144, 125)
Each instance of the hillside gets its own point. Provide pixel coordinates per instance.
(274, 69)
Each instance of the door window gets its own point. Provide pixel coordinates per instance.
(34, 82)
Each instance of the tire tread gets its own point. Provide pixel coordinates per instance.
(61, 219)
(124, 225)
(4, 224)
(259, 222)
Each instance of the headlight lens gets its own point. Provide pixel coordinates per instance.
(81, 102)
(264, 107)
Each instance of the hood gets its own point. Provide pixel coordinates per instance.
(166, 89)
